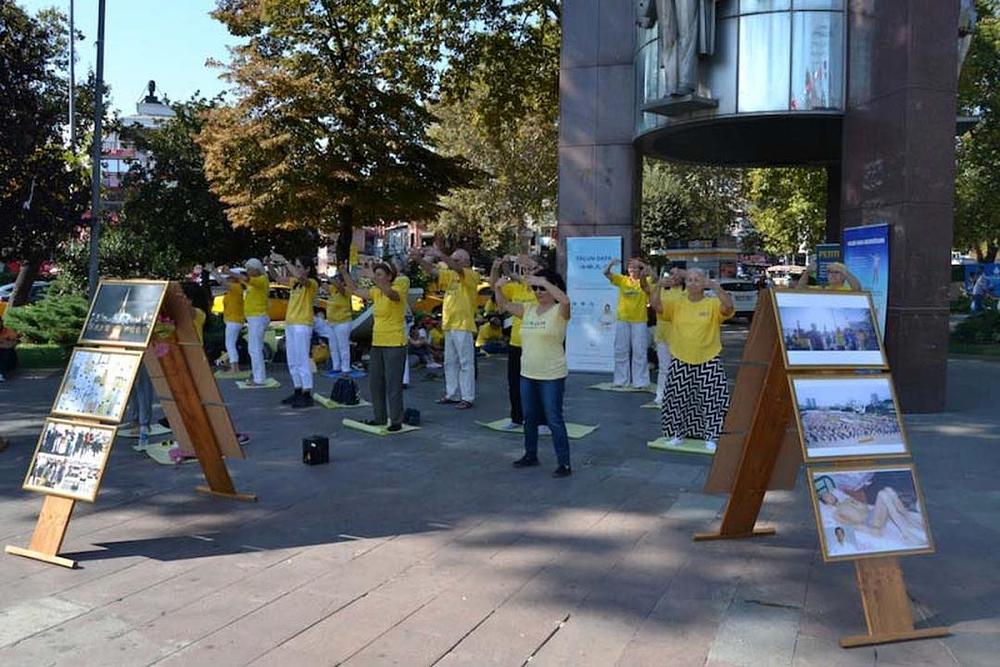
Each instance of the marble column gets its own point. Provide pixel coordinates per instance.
(898, 167)
(598, 167)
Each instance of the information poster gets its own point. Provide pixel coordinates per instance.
(866, 254)
(826, 254)
(590, 337)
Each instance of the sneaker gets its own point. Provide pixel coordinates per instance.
(710, 445)
(143, 442)
(526, 461)
(562, 471)
(512, 425)
(544, 430)
(674, 441)
(290, 400)
(394, 427)
(303, 401)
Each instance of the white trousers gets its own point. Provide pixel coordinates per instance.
(662, 368)
(459, 365)
(297, 344)
(631, 342)
(233, 330)
(340, 347)
(256, 328)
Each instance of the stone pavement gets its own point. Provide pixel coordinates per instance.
(429, 548)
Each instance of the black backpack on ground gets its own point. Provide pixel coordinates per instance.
(411, 417)
(345, 392)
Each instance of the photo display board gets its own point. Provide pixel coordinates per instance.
(70, 458)
(97, 383)
(866, 511)
(828, 329)
(123, 313)
(842, 417)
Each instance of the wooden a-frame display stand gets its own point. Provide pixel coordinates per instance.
(760, 451)
(189, 396)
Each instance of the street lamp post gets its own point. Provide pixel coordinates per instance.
(72, 77)
(95, 185)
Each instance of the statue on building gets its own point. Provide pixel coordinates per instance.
(966, 26)
(687, 31)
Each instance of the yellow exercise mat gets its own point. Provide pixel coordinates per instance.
(574, 431)
(229, 375)
(685, 446)
(269, 383)
(160, 452)
(377, 430)
(607, 386)
(651, 405)
(330, 404)
(155, 430)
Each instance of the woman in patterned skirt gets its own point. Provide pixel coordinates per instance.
(697, 394)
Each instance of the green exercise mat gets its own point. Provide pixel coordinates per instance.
(607, 386)
(377, 430)
(155, 430)
(685, 446)
(330, 404)
(269, 383)
(574, 431)
(229, 375)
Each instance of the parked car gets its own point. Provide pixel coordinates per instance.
(37, 294)
(744, 293)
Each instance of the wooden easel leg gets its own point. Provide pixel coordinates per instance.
(245, 497)
(50, 531)
(888, 614)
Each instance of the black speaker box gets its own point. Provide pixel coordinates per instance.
(315, 450)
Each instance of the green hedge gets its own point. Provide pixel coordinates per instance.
(46, 355)
(54, 320)
(979, 329)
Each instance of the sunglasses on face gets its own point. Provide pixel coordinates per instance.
(537, 288)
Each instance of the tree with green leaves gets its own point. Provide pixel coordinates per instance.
(330, 121)
(977, 183)
(517, 163)
(665, 218)
(43, 185)
(787, 206)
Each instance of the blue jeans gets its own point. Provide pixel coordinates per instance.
(543, 404)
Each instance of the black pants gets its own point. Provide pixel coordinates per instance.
(8, 360)
(514, 386)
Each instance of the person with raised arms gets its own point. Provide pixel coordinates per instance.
(631, 331)
(298, 330)
(388, 293)
(255, 280)
(697, 393)
(508, 274)
(339, 317)
(838, 278)
(460, 284)
(670, 286)
(543, 364)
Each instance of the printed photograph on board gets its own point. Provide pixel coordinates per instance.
(70, 458)
(828, 329)
(869, 511)
(123, 313)
(97, 383)
(848, 417)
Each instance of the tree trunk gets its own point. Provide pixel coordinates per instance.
(345, 229)
(991, 253)
(22, 285)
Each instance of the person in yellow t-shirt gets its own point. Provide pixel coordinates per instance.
(838, 278)
(234, 318)
(631, 331)
(254, 279)
(338, 317)
(670, 286)
(697, 395)
(490, 335)
(543, 365)
(509, 273)
(298, 331)
(461, 285)
(388, 293)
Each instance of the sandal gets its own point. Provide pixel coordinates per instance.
(447, 401)
(463, 405)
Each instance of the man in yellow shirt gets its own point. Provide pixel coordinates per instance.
(631, 331)
(460, 284)
(234, 318)
(254, 279)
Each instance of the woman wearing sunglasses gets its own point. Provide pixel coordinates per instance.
(543, 364)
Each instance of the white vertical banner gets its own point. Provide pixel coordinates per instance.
(590, 336)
